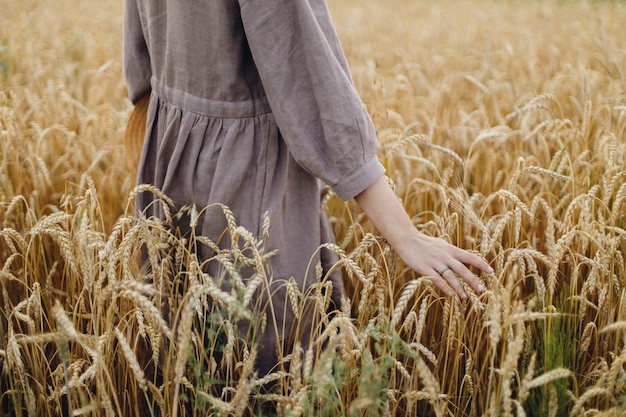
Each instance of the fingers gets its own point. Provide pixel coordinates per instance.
(456, 270)
(468, 258)
(442, 284)
(453, 282)
(454, 275)
(450, 284)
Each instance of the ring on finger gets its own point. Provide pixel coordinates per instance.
(444, 270)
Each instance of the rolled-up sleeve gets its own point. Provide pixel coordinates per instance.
(137, 71)
(310, 90)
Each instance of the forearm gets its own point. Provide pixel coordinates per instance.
(382, 207)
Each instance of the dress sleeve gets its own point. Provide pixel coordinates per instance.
(310, 90)
(137, 72)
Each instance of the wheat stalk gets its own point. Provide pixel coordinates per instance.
(132, 359)
(408, 292)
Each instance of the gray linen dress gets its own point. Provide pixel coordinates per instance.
(252, 104)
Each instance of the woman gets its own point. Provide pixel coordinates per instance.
(252, 106)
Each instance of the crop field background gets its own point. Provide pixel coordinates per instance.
(503, 128)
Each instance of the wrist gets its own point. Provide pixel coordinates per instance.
(406, 237)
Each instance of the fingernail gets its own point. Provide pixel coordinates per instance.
(481, 288)
(490, 270)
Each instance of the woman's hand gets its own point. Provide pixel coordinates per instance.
(432, 256)
(426, 255)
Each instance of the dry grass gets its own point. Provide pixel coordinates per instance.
(503, 128)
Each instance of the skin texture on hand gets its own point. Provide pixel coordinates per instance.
(426, 255)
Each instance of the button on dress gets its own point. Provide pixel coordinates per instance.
(252, 106)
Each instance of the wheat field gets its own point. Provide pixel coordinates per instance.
(503, 128)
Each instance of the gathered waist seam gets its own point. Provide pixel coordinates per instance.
(208, 107)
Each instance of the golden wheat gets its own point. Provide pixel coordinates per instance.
(498, 135)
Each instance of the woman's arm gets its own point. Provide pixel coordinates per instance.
(136, 58)
(425, 254)
(310, 90)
